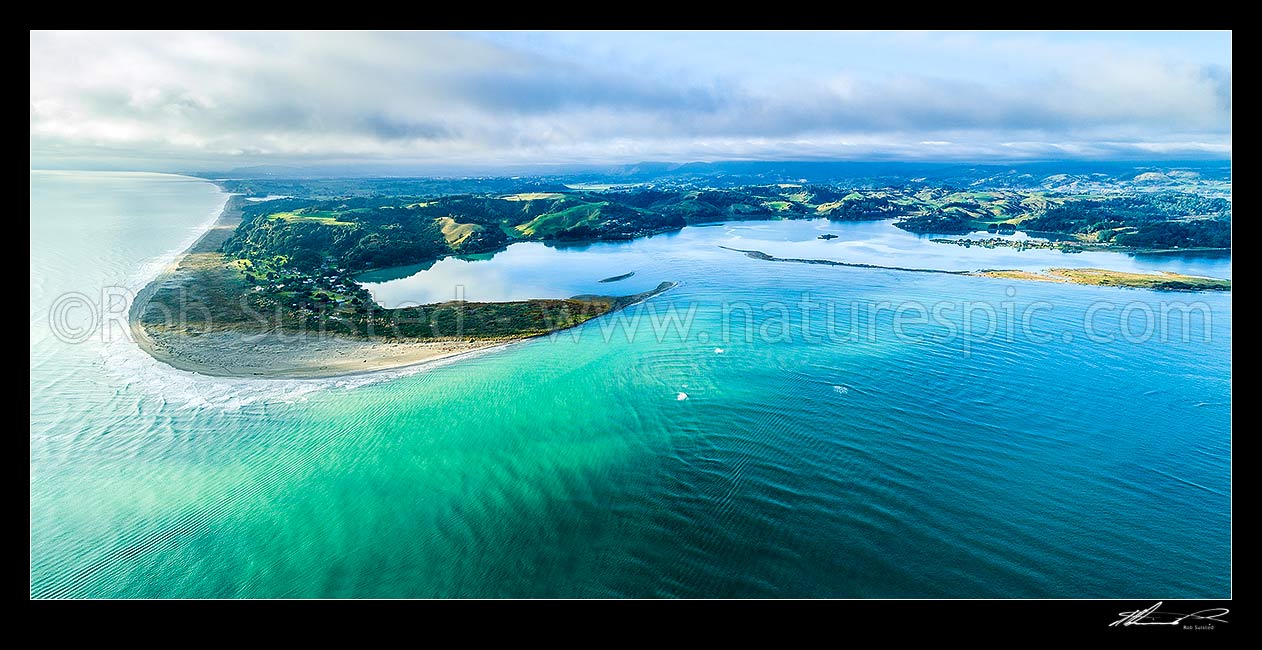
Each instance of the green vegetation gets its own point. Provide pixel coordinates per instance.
(289, 267)
(317, 243)
(1162, 281)
(945, 222)
(299, 255)
(291, 263)
(551, 224)
(856, 207)
(1200, 233)
(457, 233)
(1140, 220)
(322, 217)
(538, 209)
(295, 258)
(382, 230)
(265, 292)
(1106, 278)
(1150, 220)
(1090, 215)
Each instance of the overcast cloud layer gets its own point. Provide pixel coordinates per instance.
(179, 101)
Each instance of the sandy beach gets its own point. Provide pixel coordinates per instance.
(274, 355)
(296, 356)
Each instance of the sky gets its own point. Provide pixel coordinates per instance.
(193, 101)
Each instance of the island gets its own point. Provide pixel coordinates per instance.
(617, 278)
(271, 291)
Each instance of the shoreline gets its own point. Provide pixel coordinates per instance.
(283, 356)
(229, 217)
(278, 355)
(1161, 281)
(759, 255)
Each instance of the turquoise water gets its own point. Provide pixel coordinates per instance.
(873, 454)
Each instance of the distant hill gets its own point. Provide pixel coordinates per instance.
(1026, 175)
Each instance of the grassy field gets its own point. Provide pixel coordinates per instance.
(322, 217)
(456, 233)
(553, 222)
(1166, 281)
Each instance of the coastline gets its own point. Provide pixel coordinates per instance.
(302, 356)
(216, 232)
(246, 353)
(277, 355)
(759, 255)
(1162, 281)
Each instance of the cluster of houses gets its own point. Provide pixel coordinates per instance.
(329, 284)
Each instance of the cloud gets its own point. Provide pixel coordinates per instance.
(199, 100)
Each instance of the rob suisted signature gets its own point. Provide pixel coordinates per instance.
(1151, 616)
